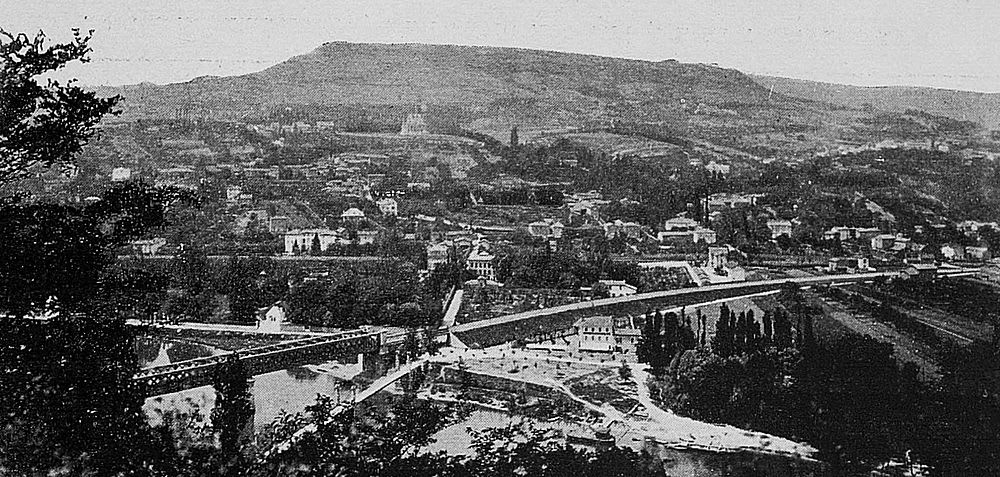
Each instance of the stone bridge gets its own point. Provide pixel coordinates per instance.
(508, 328)
(264, 359)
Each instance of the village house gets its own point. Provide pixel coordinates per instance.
(604, 334)
(548, 228)
(148, 246)
(977, 253)
(680, 224)
(720, 201)
(779, 227)
(270, 319)
(352, 215)
(367, 237)
(848, 265)
(630, 230)
(971, 227)
(596, 334)
(437, 255)
(121, 174)
(300, 241)
(846, 234)
(953, 251)
(715, 167)
(481, 263)
(882, 241)
(278, 224)
(685, 229)
(618, 288)
(388, 207)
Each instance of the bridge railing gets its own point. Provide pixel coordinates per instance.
(204, 363)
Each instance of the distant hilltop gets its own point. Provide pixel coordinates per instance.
(478, 82)
(491, 88)
(983, 108)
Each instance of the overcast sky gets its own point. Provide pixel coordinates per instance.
(951, 44)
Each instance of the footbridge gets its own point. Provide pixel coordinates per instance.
(508, 328)
(264, 359)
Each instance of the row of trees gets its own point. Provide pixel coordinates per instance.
(848, 396)
(665, 337)
(742, 334)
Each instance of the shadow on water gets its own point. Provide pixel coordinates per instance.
(302, 373)
(147, 349)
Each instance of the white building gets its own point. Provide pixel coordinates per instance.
(481, 263)
(269, 320)
(779, 227)
(596, 334)
(120, 174)
(680, 224)
(713, 166)
(389, 207)
(149, 246)
(547, 228)
(300, 241)
(367, 237)
(618, 288)
(352, 214)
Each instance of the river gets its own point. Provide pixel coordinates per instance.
(293, 389)
(289, 390)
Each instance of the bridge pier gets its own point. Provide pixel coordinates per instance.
(373, 364)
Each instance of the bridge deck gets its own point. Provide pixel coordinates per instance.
(510, 327)
(199, 371)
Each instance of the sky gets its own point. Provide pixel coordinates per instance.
(944, 43)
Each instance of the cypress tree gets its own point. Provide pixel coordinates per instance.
(722, 342)
(768, 327)
(232, 416)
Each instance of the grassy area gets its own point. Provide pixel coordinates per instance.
(605, 386)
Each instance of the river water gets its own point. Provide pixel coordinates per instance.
(289, 390)
(293, 389)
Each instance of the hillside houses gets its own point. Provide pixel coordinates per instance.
(547, 228)
(779, 227)
(846, 234)
(683, 229)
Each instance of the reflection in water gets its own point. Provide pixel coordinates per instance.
(289, 390)
(302, 373)
(147, 349)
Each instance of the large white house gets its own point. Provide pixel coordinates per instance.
(301, 240)
(481, 263)
(618, 288)
(779, 227)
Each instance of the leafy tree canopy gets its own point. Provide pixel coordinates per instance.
(43, 123)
